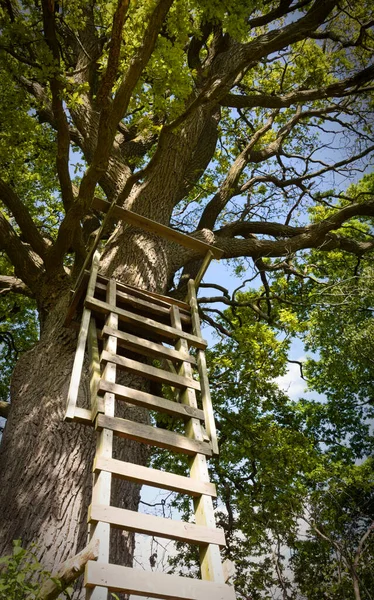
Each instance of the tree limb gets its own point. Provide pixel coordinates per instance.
(30, 232)
(69, 571)
(4, 409)
(338, 89)
(14, 285)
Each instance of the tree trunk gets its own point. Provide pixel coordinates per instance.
(46, 463)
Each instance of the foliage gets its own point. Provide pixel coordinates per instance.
(22, 576)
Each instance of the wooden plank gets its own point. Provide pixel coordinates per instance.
(81, 347)
(82, 415)
(203, 269)
(97, 403)
(149, 372)
(154, 477)
(155, 585)
(201, 363)
(151, 401)
(76, 297)
(152, 226)
(146, 347)
(163, 330)
(146, 294)
(146, 306)
(210, 558)
(102, 481)
(152, 436)
(150, 525)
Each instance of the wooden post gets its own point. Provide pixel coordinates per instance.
(201, 365)
(210, 558)
(81, 347)
(103, 479)
(203, 269)
(97, 402)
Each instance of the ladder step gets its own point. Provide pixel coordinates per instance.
(154, 477)
(159, 526)
(146, 295)
(155, 585)
(157, 403)
(81, 415)
(154, 436)
(149, 372)
(163, 330)
(138, 344)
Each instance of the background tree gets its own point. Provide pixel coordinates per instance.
(221, 119)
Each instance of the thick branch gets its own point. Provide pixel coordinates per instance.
(338, 89)
(14, 285)
(229, 185)
(30, 232)
(4, 409)
(69, 571)
(23, 259)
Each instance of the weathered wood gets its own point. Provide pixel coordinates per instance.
(210, 558)
(203, 269)
(149, 372)
(155, 585)
(162, 230)
(154, 477)
(164, 331)
(146, 347)
(145, 306)
(82, 415)
(68, 572)
(151, 401)
(97, 403)
(202, 368)
(159, 526)
(102, 481)
(81, 346)
(146, 295)
(76, 297)
(153, 436)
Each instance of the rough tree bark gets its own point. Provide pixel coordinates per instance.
(45, 462)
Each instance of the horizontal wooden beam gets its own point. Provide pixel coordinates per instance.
(150, 401)
(155, 585)
(149, 372)
(146, 347)
(131, 520)
(146, 295)
(154, 477)
(153, 436)
(162, 230)
(164, 331)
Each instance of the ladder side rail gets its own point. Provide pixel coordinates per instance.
(102, 480)
(202, 368)
(81, 346)
(210, 558)
(97, 402)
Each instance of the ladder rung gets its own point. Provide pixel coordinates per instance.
(157, 403)
(163, 330)
(82, 415)
(158, 526)
(155, 585)
(138, 344)
(154, 436)
(146, 294)
(154, 477)
(149, 372)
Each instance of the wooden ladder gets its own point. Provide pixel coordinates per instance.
(118, 321)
